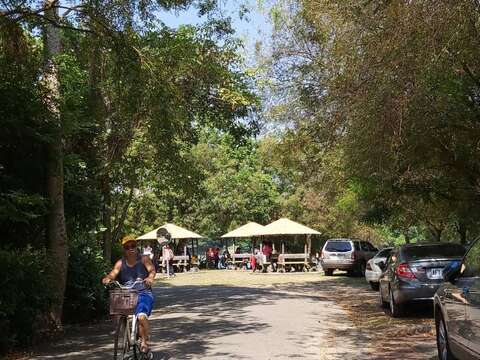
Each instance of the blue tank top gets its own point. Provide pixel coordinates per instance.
(129, 274)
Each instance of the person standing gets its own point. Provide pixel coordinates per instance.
(164, 239)
(167, 254)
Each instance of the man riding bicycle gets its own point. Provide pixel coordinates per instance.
(131, 267)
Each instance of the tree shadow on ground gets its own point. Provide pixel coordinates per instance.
(187, 320)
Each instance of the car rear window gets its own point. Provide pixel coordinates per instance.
(433, 251)
(338, 246)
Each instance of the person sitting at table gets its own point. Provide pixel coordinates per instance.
(147, 251)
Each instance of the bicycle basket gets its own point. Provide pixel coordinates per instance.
(123, 302)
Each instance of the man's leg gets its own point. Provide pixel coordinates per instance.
(143, 310)
(144, 331)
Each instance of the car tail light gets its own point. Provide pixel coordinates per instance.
(322, 256)
(369, 266)
(404, 271)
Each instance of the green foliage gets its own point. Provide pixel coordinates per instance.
(388, 94)
(24, 297)
(85, 296)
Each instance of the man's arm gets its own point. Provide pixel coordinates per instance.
(112, 275)
(151, 270)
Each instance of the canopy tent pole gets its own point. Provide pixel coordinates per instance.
(283, 247)
(309, 242)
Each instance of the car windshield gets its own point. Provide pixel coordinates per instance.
(433, 251)
(338, 246)
(384, 253)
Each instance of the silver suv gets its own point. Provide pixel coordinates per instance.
(346, 254)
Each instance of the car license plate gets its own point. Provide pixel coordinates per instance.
(435, 274)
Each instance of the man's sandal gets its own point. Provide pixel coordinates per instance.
(144, 349)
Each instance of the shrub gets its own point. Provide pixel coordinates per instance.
(24, 295)
(85, 296)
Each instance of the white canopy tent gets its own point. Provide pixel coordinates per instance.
(177, 232)
(285, 226)
(245, 231)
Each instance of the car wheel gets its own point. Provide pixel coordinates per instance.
(374, 285)
(443, 348)
(381, 302)
(328, 272)
(396, 309)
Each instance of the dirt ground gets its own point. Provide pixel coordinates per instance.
(240, 315)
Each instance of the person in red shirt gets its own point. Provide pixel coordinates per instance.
(267, 249)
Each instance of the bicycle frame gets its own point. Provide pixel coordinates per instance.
(131, 325)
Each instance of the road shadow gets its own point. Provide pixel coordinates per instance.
(187, 320)
(184, 324)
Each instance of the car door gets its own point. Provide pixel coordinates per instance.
(470, 281)
(364, 250)
(454, 309)
(372, 250)
(386, 277)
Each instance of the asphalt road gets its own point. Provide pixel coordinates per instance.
(307, 316)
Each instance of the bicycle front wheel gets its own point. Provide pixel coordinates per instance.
(121, 344)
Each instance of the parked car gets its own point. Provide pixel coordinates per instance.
(414, 272)
(346, 254)
(373, 271)
(457, 309)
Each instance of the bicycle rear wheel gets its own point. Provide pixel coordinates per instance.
(121, 344)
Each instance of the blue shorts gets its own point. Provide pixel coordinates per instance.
(145, 303)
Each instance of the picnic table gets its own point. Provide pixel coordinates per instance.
(240, 258)
(181, 262)
(293, 259)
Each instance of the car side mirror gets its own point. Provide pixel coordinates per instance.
(452, 271)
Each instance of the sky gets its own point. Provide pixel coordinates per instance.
(252, 28)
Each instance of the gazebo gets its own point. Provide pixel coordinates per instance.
(248, 230)
(180, 234)
(287, 228)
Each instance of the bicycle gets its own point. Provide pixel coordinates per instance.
(123, 300)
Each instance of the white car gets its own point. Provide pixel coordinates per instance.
(372, 270)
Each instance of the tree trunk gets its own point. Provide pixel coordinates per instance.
(57, 247)
(107, 220)
(97, 109)
(462, 232)
(437, 233)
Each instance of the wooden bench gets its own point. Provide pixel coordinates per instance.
(239, 258)
(179, 261)
(293, 259)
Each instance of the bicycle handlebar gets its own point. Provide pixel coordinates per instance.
(120, 286)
